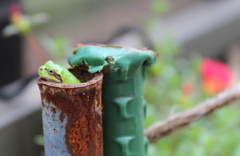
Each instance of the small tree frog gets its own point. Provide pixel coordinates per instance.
(57, 73)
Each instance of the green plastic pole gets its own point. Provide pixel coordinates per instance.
(123, 104)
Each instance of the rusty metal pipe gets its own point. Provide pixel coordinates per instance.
(72, 116)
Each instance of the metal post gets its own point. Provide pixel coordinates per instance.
(72, 116)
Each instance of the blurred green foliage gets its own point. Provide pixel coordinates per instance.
(159, 6)
(39, 140)
(215, 135)
(174, 85)
(59, 48)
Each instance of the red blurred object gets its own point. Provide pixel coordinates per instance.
(187, 88)
(15, 8)
(15, 13)
(216, 76)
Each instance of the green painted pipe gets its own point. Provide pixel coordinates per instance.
(123, 103)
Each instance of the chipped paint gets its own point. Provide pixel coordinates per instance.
(72, 118)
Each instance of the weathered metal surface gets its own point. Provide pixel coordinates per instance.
(123, 104)
(72, 117)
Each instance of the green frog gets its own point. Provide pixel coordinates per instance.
(57, 73)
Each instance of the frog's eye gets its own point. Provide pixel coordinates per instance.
(51, 72)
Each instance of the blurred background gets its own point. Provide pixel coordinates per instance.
(198, 42)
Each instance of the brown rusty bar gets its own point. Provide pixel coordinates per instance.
(72, 116)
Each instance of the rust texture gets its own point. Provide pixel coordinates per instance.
(80, 105)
